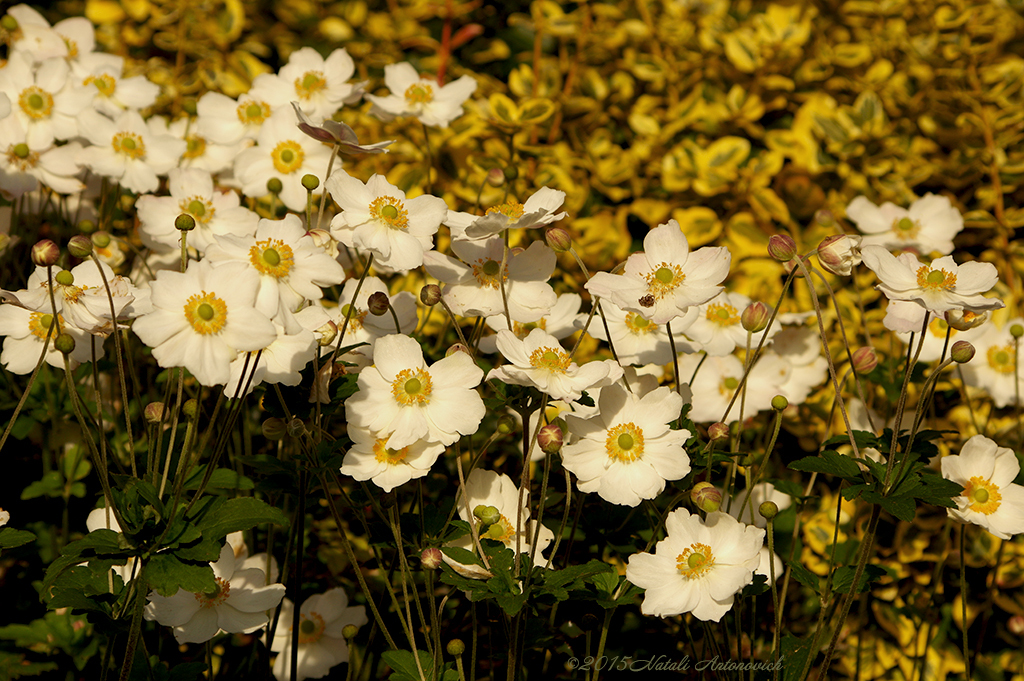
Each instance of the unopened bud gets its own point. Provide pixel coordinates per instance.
(511, 172)
(45, 253)
(65, 344)
(487, 515)
(506, 424)
(64, 278)
(295, 427)
(86, 226)
(781, 247)
(457, 347)
(274, 185)
(190, 408)
(961, 352)
(839, 253)
(430, 294)
(755, 317)
(100, 239)
(495, 177)
(80, 246)
(274, 428)
(550, 438)
(154, 412)
(310, 182)
(456, 647)
(184, 223)
(962, 320)
(1016, 330)
(768, 510)
(328, 332)
(706, 497)
(515, 250)
(718, 431)
(430, 559)
(779, 403)
(349, 631)
(825, 218)
(558, 239)
(378, 303)
(865, 360)
(1016, 625)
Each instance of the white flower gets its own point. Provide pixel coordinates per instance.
(203, 318)
(320, 85)
(379, 218)
(636, 340)
(23, 167)
(935, 337)
(928, 225)
(488, 488)
(990, 499)
(34, 38)
(560, 322)
(112, 93)
(716, 382)
(628, 451)
(322, 619)
(699, 567)
(717, 326)
(4, 517)
(370, 458)
(280, 362)
(539, 360)
(201, 153)
(402, 396)
(229, 121)
(44, 100)
(472, 288)
(748, 513)
(664, 279)
(423, 98)
(25, 333)
(236, 605)
(942, 285)
(539, 210)
(793, 363)
(126, 150)
(994, 367)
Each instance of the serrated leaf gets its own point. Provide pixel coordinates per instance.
(221, 478)
(843, 579)
(235, 515)
(404, 665)
(830, 462)
(167, 574)
(11, 537)
(804, 576)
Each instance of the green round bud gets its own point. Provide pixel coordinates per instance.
(511, 173)
(184, 223)
(190, 408)
(961, 352)
(310, 182)
(1016, 330)
(506, 424)
(274, 185)
(274, 428)
(755, 317)
(100, 239)
(779, 403)
(154, 412)
(86, 226)
(80, 246)
(65, 344)
(558, 239)
(456, 647)
(430, 294)
(768, 510)
(349, 631)
(706, 497)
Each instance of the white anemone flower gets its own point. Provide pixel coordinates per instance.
(322, 644)
(201, 153)
(23, 167)
(718, 327)
(540, 361)
(236, 605)
(203, 318)
(25, 334)
(560, 322)
(378, 217)
(319, 85)
(126, 150)
(665, 279)
(637, 340)
(717, 380)
(990, 499)
(539, 210)
(112, 92)
(995, 368)
(937, 287)
(34, 37)
(628, 451)
(488, 488)
(411, 401)
(280, 362)
(699, 567)
(424, 98)
(369, 458)
(230, 121)
(929, 224)
(44, 99)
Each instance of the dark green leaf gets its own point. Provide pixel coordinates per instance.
(844, 578)
(794, 657)
(235, 515)
(11, 537)
(830, 462)
(167, 574)
(804, 576)
(404, 665)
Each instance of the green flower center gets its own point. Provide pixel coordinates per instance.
(413, 386)
(936, 277)
(205, 311)
(271, 257)
(664, 275)
(731, 383)
(625, 441)
(196, 207)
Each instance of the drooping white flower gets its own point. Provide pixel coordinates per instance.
(378, 217)
(488, 488)
(928, 225)
(322, 619)
(203, 318)
(995, 367)
(990, 499)
(663, 280)
(411, 401)
(369, 458)
(628, 451)
(319, 85)
(26, 333)
(411, 95)
(236, 605)
(126, 150)
(699, 567)
(539, 210)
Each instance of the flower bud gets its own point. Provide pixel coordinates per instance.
(768, 510)
(782, 247)
(558, 239)
(1016, 330)
(495, 177)
(825, 218)
(328, 332)
(515, 250)
(86, 227)
(310, 181)
(184, 223)
(64, 278)
(190, 408)
(457, 347)
(646, 301)
(456, 647)
(45, 253)
(506, 424)
(430, 558)
(378, 303)
(550, 438)
(487, 515)
(100, 239)
(1016, 625)
(864, 360)
(274, 185)
(706, 497)
(779, 403)
(961, 352)
(839, 253)
(65, 344)
(274, 428)
(511, 172)
(349, 631)
(430, 295)
(755, 317)
(718, 431)
(295, 427)
(962, 320)
(80, 246)
(154, 412)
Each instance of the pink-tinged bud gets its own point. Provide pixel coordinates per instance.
(755, 317)
(558, 239)
(1016, 625)
(839, 253)
(706, 497)
(512, 252)
(768, 510)
(550, 438)
(45, 253)
(962, 352)
(274, 428)
(782, 247)
(430, 559)
(495, 177)
(328, 332)
(864, 360)
(718, 432)
(430, 294)
(154, 412)
(378, 303)
(457, 347)
(962, 320)
(80, 246)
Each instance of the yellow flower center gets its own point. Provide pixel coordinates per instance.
(553, 359)
(638, 325)
(310, 83)
(1002, 359)
(982, 495)
(311, 628)
(938, 326)
(105, 84)
(195, 146)
(206, 313)
(486, 273)
(930, 279)
(722, 314)
(390, 211)
(664, 279)
(420, 93)
(905, 228)
(129, 144)
(273, 257)
(21, 157)
(287, 157)
(218, 595)
(523, 330)
(253, 112)
(198, 207)
(625, 443)
(355, 321)
(39, 324)
(500, 531)
(36, 102)
(513, 210)
(695, 561)
(412, 387)
(391, 457)
(72, 47)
